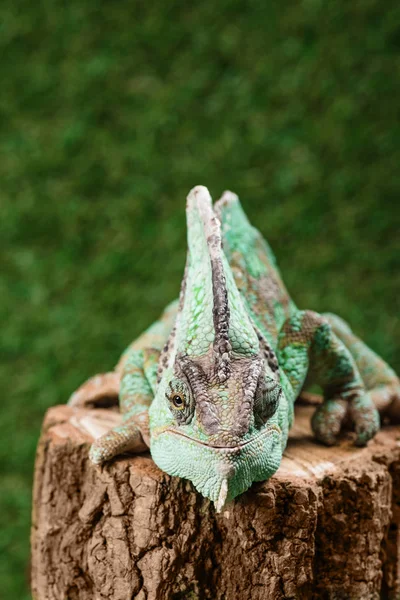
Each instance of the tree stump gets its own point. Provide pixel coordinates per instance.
(325, 526)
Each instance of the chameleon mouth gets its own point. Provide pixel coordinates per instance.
(265, 433)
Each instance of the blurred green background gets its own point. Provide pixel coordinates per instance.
(111, 112)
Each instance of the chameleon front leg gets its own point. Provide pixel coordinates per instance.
(379, 378)
(308, 347)
(138, 383)
(134, 380)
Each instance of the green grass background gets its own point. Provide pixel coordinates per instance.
(110, 112)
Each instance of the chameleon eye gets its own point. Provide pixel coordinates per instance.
(178, 401)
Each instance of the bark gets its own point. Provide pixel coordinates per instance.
(325, 526)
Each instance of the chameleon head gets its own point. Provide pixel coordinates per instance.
(215, 418)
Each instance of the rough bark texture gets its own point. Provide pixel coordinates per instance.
(326, 526)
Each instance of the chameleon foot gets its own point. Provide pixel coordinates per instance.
(123, 438)
(387, 400)
(100, 390)
(329, 419)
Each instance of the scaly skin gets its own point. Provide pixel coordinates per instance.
(210, 387)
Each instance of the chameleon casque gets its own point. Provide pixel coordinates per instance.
(210, 387)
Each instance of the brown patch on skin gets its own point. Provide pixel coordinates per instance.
(268, 290)
(224, 410)
(221, 313)
(221, 316)
(310, 322)
(269, 354)
(199, 374)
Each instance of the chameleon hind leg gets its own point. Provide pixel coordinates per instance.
(138, 382)
(379, 378)
(308, 348)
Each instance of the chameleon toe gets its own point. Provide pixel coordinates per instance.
(365, 418)
(327, 421)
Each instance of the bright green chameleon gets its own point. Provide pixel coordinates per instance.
(210, 387)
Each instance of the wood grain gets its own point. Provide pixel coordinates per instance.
(325, 526)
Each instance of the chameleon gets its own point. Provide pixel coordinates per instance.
(210, 387)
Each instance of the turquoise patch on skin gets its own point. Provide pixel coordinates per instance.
(343, 367)
(207, 467)
(322, 337)
(294, 360)
(296, 321)
(255, 266)
(279, 314)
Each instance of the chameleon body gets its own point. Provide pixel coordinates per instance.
(210, 387)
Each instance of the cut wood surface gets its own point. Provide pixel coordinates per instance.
(325, 526)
